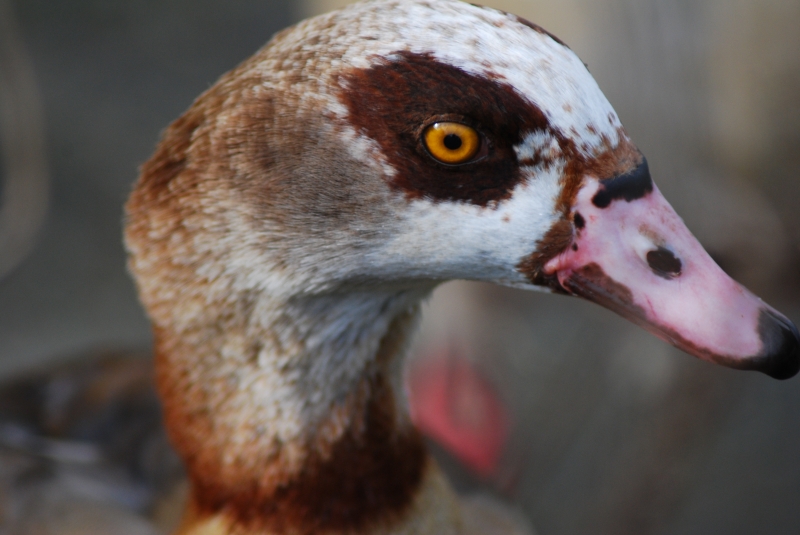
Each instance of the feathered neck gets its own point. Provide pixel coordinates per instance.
(278, 344)
(290, 416)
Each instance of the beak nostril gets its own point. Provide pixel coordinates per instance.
(664, 263)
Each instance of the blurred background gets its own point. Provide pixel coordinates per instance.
(613, 432)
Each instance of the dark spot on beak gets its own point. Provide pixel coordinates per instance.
(630, 186)
(579, 221)
(664, 263)
(780, 358)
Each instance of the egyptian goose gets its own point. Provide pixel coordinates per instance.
(290, 223)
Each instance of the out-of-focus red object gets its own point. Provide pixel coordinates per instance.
(454, 404)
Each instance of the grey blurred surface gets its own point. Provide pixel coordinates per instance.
(112, 75)
(23, 167)
(616, 433)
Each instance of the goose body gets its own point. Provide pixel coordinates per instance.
(290, 223)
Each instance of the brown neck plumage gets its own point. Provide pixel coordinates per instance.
(368, 475)
(289, 420)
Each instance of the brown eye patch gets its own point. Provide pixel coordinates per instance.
(393, 100)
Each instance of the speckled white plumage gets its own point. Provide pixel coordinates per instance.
(479, 40)
(461, 241)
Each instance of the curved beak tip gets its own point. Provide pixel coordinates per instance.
(636, 257)
(780, 358)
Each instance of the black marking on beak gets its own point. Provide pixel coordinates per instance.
(630, 186)
(780, 357)
(664, 263)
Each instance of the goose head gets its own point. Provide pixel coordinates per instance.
(290, 222)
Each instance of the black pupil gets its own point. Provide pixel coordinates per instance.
(452, 141)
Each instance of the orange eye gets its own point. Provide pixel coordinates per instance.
(452, 143)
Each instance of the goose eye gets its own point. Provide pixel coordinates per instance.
(452, 143)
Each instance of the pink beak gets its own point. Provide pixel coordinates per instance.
(633, 254)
